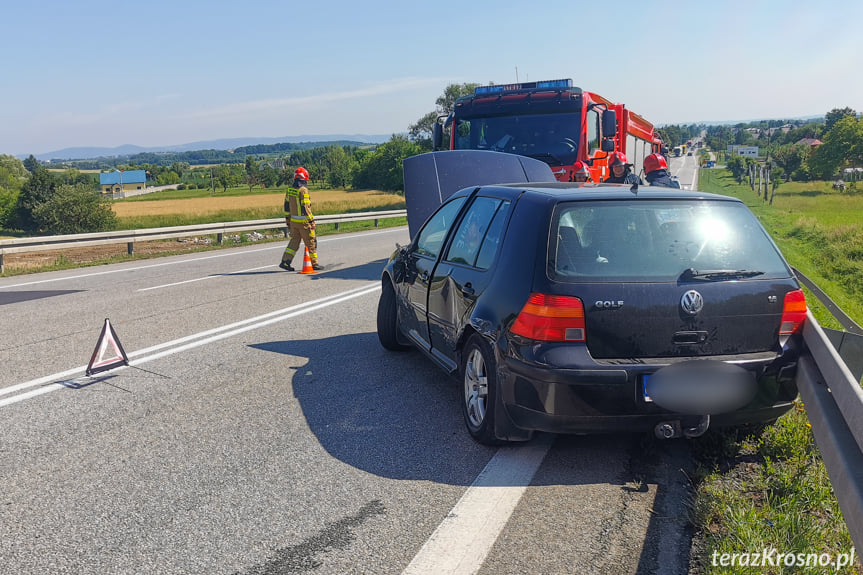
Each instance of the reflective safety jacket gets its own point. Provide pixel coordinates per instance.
(298, 206)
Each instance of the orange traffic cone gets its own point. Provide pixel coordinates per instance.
(307, 263)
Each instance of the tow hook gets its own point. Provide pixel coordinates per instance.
(673, 429)
(699, 429)
(668, 430)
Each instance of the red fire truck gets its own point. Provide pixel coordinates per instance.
(552, 121)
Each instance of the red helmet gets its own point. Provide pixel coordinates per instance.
(654, 162)
(301, 174)
(617, 159)
(580, 169)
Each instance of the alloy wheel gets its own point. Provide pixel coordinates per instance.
(475, 388)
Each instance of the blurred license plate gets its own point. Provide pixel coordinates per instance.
(645, 387)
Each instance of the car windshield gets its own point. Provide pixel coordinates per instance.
(654, 241)
(551, 138)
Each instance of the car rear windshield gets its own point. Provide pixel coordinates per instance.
(660, 240)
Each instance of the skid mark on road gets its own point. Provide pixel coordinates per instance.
(302, 558)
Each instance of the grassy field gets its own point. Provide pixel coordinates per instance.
(770, 490)
(185, 207)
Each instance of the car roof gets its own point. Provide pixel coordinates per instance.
(593, 191)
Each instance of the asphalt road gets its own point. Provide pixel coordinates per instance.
(261, 428)
(686, 170)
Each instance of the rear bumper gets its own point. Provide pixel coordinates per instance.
(556, 423)
(611, 399)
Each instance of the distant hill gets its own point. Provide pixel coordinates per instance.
(86, 153)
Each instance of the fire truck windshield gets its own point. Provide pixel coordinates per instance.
(551, 138)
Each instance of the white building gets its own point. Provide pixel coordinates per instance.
(747, 151)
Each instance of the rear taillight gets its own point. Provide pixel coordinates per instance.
(793, 312)
(550, 318)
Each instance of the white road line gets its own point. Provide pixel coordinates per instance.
(116, 271)
(176, 346)
(198, 258)
(462, 541)
(208, 277)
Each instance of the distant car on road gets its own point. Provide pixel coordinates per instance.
(583, 308)
(688, 153)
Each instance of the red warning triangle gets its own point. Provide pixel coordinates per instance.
(108, 353)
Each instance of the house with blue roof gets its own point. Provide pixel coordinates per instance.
(119, 181)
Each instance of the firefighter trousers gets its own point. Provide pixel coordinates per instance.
(301, 231)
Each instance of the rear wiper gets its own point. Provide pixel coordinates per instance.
(708, 275)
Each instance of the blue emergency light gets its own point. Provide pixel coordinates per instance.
(544, 85)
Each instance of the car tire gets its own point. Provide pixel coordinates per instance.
(388, 318)
(478, 372)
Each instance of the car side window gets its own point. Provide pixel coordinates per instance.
(473, 234)
(493, 237)
(431, 237)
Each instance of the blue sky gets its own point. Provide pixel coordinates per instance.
(114, 72)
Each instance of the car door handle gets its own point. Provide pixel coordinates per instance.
(467, 290)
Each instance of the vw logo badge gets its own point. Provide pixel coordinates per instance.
(692, 302)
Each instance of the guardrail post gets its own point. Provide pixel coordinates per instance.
(376, 222)
(337, 226)
(1, 264)
(219, 238)
(130, 248)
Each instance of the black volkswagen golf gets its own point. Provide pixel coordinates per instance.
(581, 308)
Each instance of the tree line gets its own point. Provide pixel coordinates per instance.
(194, 157)
(794, 150)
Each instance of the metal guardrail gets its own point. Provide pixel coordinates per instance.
(834, 404)
(828, 379)
(130, 237)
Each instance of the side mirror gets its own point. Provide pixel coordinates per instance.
(437, 136)
(607, 145)
(609, 123)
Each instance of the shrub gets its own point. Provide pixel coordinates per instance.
(74, 209)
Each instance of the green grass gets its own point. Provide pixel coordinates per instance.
(771, 489)
(767, 490)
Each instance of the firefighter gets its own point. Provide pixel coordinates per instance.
(621, 171)
(301, 222)
(656, 172)
(580, 173)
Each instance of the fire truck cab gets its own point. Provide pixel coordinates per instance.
(552, 121)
